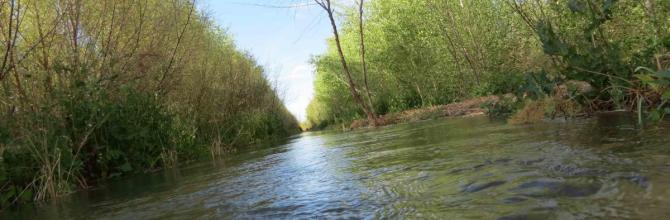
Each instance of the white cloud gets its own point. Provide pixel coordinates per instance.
(301, 71)
(299, 81)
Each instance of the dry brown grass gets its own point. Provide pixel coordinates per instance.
(532, 112)
(465, 108)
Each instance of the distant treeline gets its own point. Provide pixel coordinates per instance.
(426, 52)
(95, 89)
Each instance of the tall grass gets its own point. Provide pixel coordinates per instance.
(92, 90)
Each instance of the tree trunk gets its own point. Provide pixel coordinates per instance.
(362, 42)
(372, 118)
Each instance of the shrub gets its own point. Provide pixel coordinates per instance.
(532, 112)
(502, 107)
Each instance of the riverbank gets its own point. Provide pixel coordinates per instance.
(516, 110)
(413, 65)
(466, 108)
(84, 102)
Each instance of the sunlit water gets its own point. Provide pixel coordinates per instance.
(474, 168)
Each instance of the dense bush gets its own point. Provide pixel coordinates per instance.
(423, 53)
(91, 90)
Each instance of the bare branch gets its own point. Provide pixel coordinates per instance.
(277, 6)
(179, 39)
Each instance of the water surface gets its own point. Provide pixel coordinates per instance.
(472, 168)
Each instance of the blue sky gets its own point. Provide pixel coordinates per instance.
(282, 39)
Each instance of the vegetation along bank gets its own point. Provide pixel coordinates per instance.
(92, 90)
(556, 58)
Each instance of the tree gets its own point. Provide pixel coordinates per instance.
(362, 45)
(327, 6)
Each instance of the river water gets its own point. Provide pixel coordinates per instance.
(604, 167)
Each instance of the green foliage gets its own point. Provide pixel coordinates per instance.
(418, 56)
(658, 82)
(424, 53)
(589, 49)
(115, 95)
(93, 135)
(126, 135)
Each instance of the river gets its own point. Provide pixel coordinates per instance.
(603, 167)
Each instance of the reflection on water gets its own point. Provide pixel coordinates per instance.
(604, 167)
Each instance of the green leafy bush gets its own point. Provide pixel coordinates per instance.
(658, 82)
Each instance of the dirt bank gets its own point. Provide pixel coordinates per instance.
(465, 108)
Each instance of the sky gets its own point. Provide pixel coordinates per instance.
(282, 39)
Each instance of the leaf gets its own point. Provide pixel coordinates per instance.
(3, 177)
(27, 195)
(654, 115)
(126, 167)
(663, 74)
(639, 68)
(666, 95)
(647, 79)
(8, 194)
(662, 82)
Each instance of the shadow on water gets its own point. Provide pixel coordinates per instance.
(474, 168)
